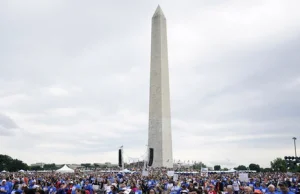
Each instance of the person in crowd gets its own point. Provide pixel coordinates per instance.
(264, 188)
(229, 189)
(284, 188)
(293, 187)
(4, 188)
(211, 189)
(257, 186)
(88, 187)
(52, 189)
(184, 190)
(271, 189)
(151, 191)
(175, 189)
(236, 185)
(133, 187)
(219, 186)
(248, 190)
(62, 188)
(113, 190)
(16, 189)
(251, 183)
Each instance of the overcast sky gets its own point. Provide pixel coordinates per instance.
(74, 79)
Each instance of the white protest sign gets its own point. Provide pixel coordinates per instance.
(175, 177)
(145, 173)
(170, 173)
(204, 172)
(243, 177)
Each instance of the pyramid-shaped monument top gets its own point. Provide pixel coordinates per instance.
(158, 12)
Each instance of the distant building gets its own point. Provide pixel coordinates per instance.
(40, 164)
(74, 166)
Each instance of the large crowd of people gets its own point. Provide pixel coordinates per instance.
(157, 182)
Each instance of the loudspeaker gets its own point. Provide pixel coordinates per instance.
(151, 152)
(120, 157)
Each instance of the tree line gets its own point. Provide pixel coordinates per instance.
(7, 163)
(277, 165)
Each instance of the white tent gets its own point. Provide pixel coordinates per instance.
(65, 169)
(231, 170)
(21, 171)
(3, 171)
(126, 171)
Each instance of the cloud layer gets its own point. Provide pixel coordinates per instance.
(74, 80)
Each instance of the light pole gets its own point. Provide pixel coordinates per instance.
(294, 138)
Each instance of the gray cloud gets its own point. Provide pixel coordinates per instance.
(7, 126)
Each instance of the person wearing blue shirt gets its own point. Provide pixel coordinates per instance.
(257, 186)
(88, 187)
(263, 188)
(284, 189)
(175, 189)
(271, 189)
(61, 190)
(251, 183)
(75, 186)
(165, 186)
(16, 189)
(51, 189)
(9, 185)
(4, 189)
(151, 184)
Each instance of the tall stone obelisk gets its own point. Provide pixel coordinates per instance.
(160, 134)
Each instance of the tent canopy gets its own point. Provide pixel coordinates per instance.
(231, 170)
(65, 169)
(126, 171)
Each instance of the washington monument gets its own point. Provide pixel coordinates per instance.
(160, 134)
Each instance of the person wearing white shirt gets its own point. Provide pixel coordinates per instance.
(236, 186)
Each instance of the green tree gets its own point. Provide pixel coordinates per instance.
(50, 166)
(255, 167)
(198, 165)
(36, 168)
(225, 169)
(96, 165)
(241, 167)
(86, 165)
(217, 167)
(9, 164)
(266, 170)
(279, 165)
